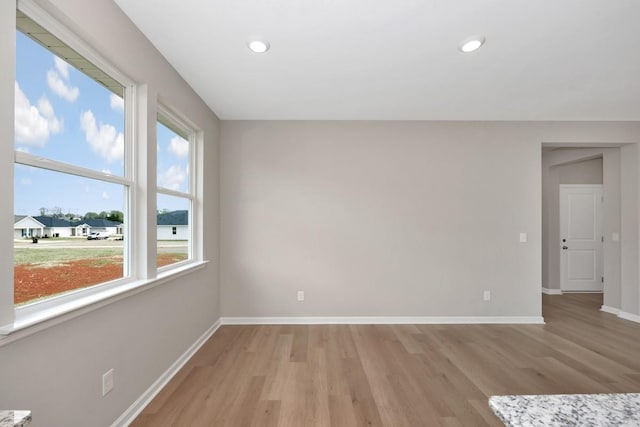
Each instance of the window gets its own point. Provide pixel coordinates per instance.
(175, 189)
(76, 239)
(71, 186)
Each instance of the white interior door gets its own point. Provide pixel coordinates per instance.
(581, 257)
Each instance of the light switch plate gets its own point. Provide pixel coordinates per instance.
(615, 236)
(107, 382)
(523, 237)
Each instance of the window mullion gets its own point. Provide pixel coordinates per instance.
(143, 214)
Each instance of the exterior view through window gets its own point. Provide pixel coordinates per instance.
(175, 192)
(70, 180)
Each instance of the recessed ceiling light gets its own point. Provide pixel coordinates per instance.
(258, 46)
(470, 44)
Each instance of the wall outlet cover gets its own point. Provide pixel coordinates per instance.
(107, 382)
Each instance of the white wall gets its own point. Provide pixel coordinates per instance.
(57, 372)
(165, 232)
(386, 218)
(61, 231)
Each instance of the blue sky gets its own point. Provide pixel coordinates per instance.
(64, 115)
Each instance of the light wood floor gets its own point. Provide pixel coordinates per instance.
(379, 375)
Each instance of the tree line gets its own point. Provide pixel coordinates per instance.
(56, 212)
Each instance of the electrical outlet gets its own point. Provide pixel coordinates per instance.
(487, 295)
(107, 382)
(300, 295)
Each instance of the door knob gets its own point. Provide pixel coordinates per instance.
(565, 247)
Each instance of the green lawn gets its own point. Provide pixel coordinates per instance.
(57, 255)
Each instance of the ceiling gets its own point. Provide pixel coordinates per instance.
(399, 59)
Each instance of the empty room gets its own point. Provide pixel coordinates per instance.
(315, 213)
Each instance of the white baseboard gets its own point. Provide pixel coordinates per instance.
(629, 316)
(134, 410)
(583, 292)
(621, 314)
(552, 291)
(392, 320)
(610, 310)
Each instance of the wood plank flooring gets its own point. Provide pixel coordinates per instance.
(397, 375)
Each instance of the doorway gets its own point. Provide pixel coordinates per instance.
(570, 166)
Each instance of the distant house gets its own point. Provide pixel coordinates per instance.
(173, 225)
(57, 227)
(103, 225)
(26, 226)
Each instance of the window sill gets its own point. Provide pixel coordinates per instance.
(26, 324)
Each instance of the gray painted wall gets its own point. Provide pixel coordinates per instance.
(7, 116)
(629, 295)
(57, 372)
(586, 172)
(612, 217)
(386, 218)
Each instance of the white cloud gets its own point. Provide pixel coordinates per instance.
(107, 171)
(172, 178)
(105, 195)
(62, 67)
(34, 125)
(116, 102)
(60, 88)
(57, 79)
(104, 139)
(25, 181)
(45, 107)
(23, 149)
(179, 147)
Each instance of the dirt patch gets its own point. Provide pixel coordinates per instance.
(33, 282)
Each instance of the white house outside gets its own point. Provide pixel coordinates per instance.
(26, 227)
(171, 226)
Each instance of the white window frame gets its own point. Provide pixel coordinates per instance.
(54, 27)
(36, 316)
(192, 138)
